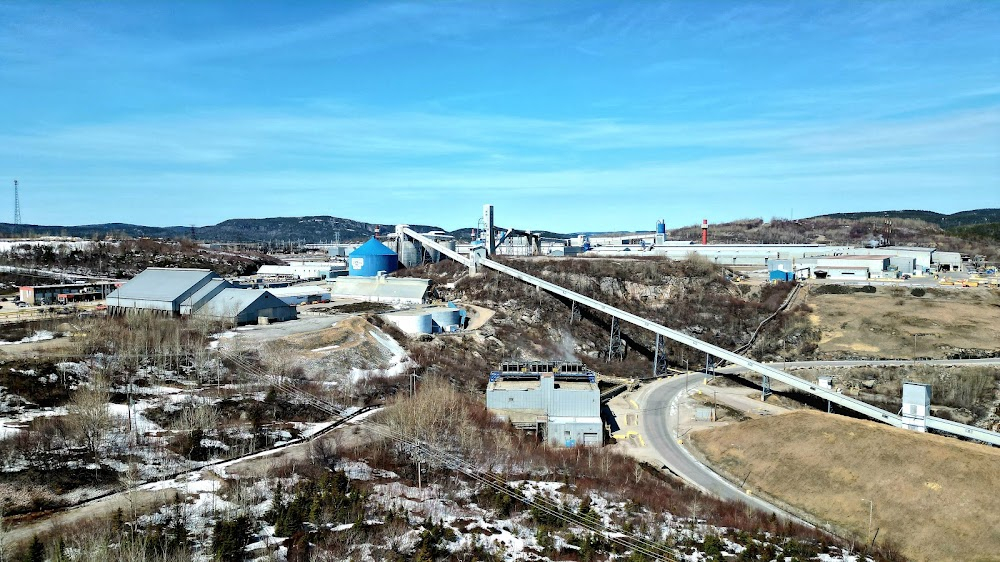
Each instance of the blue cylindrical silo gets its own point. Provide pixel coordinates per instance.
(370, 258)
(661, 227)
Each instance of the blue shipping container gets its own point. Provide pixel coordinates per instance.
(777, 275)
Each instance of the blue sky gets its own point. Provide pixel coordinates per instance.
(566, 115)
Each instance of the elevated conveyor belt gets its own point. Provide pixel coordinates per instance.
(873, 412)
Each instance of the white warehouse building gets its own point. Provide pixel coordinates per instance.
(304, 270)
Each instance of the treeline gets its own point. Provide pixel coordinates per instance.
(126, 258)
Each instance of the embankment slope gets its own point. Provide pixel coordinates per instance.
(934, 496)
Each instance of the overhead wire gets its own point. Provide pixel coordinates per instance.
(454, 462)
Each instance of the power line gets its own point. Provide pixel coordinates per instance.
(453, 462)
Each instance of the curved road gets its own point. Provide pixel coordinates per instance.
(659, 432)
(658, 404)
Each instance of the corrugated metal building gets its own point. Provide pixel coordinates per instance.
(159, 289)
(561, 402)
(246, 306)
(370, 258)
(844, 273)
(872, 263)
(947, 261)
(903, 264)
(405, 290)
(198, 292)
(203, 295)
(922, 256)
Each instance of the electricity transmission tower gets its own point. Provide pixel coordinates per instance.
(17, 204)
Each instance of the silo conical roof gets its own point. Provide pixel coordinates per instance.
(372, 248)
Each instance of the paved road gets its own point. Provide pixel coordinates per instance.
(659, 401)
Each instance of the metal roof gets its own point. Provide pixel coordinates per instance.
(162, 284)
(856, 257)
(298, 290)
(372, 248)
(232, 302)
(381, 287)
(206, 291)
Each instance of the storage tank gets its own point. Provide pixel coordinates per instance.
(370, 258)
(445, 317)
(412, 322)
(433, 254)
(661, 227)
(411, 252)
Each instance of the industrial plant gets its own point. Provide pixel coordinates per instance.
(560, 402)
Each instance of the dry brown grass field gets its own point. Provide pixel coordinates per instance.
(935, 496)
(883, 324)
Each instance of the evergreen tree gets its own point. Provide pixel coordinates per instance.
(36, 552)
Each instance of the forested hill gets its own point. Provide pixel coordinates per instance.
(305, 229)
(962, 218)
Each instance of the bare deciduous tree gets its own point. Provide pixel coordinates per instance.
(89, 404)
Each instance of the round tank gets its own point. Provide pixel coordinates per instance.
(412, 322)
(661, 227)
(371, 258)
(445, 316)
(410, 253)
(433, 255)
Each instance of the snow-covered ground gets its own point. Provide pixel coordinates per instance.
(40, 335)
(399, 361)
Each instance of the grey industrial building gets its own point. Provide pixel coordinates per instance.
(561, 402)
(380, 288)
(196, 292)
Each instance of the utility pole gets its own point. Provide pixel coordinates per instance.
(687, 373)
(871, 510)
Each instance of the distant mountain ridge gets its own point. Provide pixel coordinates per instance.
(324, 228)
(962, 218)
(311, 230)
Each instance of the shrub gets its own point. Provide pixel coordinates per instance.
(918, 292)
(230, 538)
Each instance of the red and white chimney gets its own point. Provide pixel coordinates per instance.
(704, 232)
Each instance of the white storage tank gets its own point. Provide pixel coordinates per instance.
(412, 321)
(445, 316)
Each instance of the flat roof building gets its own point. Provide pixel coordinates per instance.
(393, 290)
